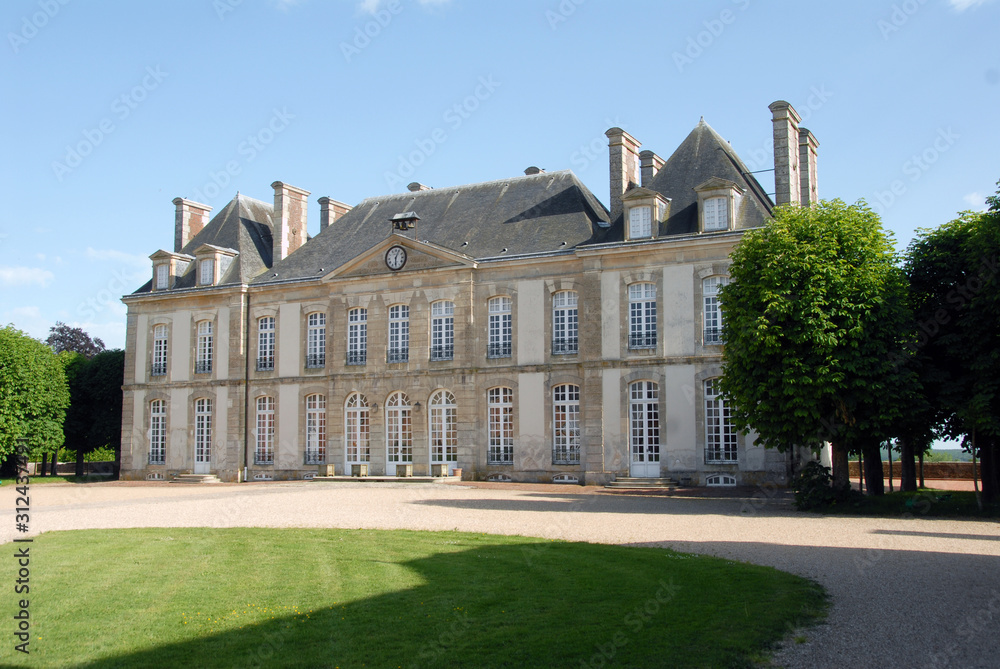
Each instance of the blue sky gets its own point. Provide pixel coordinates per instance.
(112, 109)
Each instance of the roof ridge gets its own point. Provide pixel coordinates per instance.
(461, 187)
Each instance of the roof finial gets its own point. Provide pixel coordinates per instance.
(702, 121)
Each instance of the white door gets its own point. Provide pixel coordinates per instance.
(398, 432)
(202, 435)
(444, 430)
(644, 429)
(357, 423)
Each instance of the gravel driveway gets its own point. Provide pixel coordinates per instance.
(907, 592)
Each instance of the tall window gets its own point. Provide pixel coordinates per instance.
(399, 428)
(642, 315)
(162, 277)
(264, 454)
(713, 314)
(159, 350)
(443, 330)
(399, 334)
(206, 272)
(357, 337)
(316, 340)
(501, 418)
(500, 330)
(315, 429)
(566, 425)
(357, 424)
(716, 214)
(565, 322)
(203, 361)
(203, 430)
(265, 344)
(157, 432)
(719, 430)
(640, 221)
(644, 421)
(444, 427)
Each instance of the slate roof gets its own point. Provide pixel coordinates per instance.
(244, 225)
(702, 155)
(524, 214)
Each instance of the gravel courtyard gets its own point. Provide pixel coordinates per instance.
(907, 592)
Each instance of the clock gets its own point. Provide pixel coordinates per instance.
(395, 258)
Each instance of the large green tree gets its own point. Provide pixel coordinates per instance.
(814, 309)
(952, 271)
(33, 395)
(94, 418)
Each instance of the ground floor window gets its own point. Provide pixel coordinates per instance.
(720, 435)
(399, 428)
(315, 429)
(357, 424)
(500, 403)
(264, 454)
(203, 430)
(157, 432)
(444, 427)
(566, 424)
(644, 421)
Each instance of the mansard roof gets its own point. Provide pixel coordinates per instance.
(538, 213)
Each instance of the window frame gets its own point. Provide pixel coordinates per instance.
(161, 276)
(357, 336)
(644, 420)
(642, 315)
(645, 226)
(500, 425)
(712, 318)
(315, 429)
(202, 265)
(264, 430)
(266, 337)
(357, 429)
(500, 330)
(157, 432)
(721, 440)
(565, 322)
(398, 347)
(442, 330)
(399, 425)
(205, 347)
(203, 408)
(719, 212)
(443, 427)
(566, 424)
(161, 350)
(316, 340)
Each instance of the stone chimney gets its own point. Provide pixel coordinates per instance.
(330, 211)
(624, 157)
(416, 187)
(650, 164)
(807, 163)
(533, 170)
(787, 188)
(290, 208)
(189, 219)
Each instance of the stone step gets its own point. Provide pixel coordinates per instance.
(633, 483)
(195, 478)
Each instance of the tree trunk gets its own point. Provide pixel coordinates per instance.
(45, 461)
(79, 462)
(907, 467)
(841, 471)
(988, 464)
(921, 456)
(861, 472)
(52, 465)
(873, 469)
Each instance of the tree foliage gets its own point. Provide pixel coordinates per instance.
(815, 307)
(94, 418)
(65, 338)
(33, 394)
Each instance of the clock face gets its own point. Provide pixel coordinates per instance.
(395, 257)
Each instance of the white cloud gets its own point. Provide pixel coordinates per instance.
(962, 5)
(974, 199)
(25, 276)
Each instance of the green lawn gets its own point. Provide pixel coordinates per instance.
(924, 503)
(352, 598)
(60, 478)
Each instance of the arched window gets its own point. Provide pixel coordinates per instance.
(357, 336)
(315, 429)
(265, 344)
(357, 428)
(500, 332)
(444, 427)
(500, 402)
(206, 344)
(202, 430)
(316, 340)
(719, 431)
(713, 314)
(264, 453)
(443, 330)
(398, 430)
(399, 334)
(565, 322)
(566, 424)
(642, 315)
(157, 432)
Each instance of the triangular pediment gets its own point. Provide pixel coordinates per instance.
(167, 255)
(715, 183)
(419, 256)
(639, 193)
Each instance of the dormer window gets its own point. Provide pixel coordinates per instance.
(206, 272)
(640, 222)
(162, 277)
(716, 214)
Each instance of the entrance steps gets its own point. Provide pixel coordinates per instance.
(633, 483)
(195, 478)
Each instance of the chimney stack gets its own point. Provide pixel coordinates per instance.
(289, 230)
(785, 120)
(416, 187)
(624, 156)
(330, 211)
(650, 164)
(807, 163)
(189, 219)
